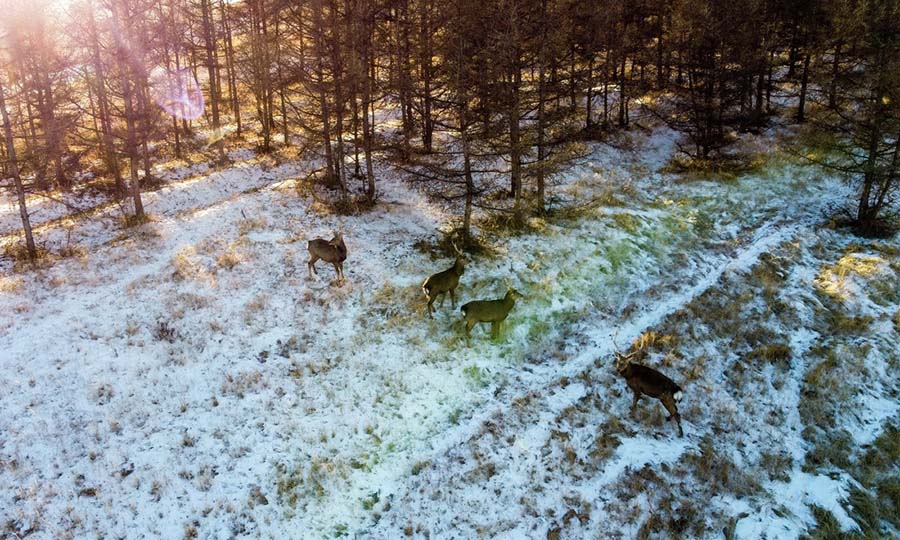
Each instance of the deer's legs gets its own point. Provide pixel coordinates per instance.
(429, 306)
(469, 325)
(443, 297)
(338, 272)
(637, 396)
(495, 329)
(312, 266)
(669, 403)
(452, 299)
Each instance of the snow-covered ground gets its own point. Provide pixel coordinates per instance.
(186, 378)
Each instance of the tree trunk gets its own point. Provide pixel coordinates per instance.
(282, 85)
(606, 90)
(804, 81)
(659, 48)
(325, 117)
(467, 170)
(589, 121)
(337, 74)
(108, 143)
(623, 100)
(540, 119)
(573, 79)
(865, 212)
(770, 81)
(13, 170)
(403, 75)
(229, 66)
(515, 150)
(835, 72)
(367, 64)
(212, 69)
(131, 143)
(425, 61)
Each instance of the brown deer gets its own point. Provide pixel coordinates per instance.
(333, 251)
(443, 283)
(645, 380)
(492, 311)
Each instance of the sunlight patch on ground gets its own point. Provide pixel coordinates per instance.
(835, 280)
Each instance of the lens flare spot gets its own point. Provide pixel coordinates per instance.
(177, 93)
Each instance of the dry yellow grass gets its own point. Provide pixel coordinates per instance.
(11, 284)
(832, 279)
(256, 305)
(251, 224)
(189, 266)
(232, 256)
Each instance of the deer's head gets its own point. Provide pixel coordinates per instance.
(622, 359)
(514, 294)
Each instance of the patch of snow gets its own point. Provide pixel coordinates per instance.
(175, 385)
(796, 496)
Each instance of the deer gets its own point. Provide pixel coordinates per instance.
(333, 251)
(444, 282)
(492, 311)
(644, 380)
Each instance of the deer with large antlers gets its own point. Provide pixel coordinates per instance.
(444, 282)
(333, 251)
(647, 381)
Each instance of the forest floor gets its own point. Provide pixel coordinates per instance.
(185, 378)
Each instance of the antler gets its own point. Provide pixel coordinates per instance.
(456, 248)
(616, 345)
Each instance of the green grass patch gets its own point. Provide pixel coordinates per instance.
(371, 500)
(703, 224)
(476, 376)
(619, 254)
(626, 222)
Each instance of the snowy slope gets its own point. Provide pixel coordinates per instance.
(188, 378)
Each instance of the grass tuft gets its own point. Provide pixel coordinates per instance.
(827, 526)
(772, 353)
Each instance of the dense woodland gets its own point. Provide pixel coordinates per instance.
(487, 99)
